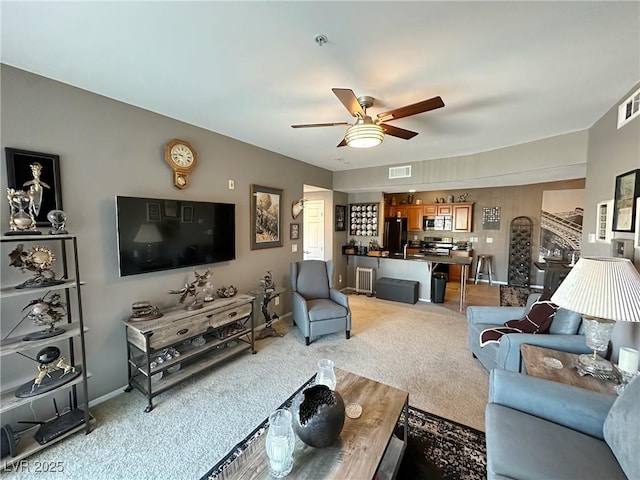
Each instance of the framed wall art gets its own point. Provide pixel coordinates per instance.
(624, 205)
(604, 221)
(266, 217)
(294, 231)
(341, 213)
(153, 212)
(19, 173)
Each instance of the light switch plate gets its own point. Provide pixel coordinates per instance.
(232, 185)
(294, 247)
(489, 240)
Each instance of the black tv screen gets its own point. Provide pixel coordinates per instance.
(161, 234)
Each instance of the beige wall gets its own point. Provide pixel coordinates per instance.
(611, 153)
(108, 148)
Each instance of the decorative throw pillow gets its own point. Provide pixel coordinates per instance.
(537, 320)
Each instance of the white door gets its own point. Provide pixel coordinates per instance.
(313, 234)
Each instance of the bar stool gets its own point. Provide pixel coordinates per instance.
(483, 261)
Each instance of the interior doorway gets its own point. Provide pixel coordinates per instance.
(316, 226)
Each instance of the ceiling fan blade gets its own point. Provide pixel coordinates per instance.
(343, 143)
(313, 125)
(398, 132)
(414, 109)
(349, 100)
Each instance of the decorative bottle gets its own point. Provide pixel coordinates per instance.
(326, 375)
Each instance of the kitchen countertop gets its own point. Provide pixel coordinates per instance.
(419, 257)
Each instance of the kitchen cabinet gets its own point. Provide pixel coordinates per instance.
(414, 216)
(462, 217)
(394, 209)
(445, 209)
(455, 271)
(430, 210)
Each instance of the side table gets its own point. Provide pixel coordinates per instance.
(543, 363)
(267, 297)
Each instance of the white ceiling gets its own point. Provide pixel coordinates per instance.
(508, 72)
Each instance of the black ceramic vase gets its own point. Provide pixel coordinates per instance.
(318, 416)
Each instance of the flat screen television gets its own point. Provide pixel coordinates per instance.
(162, 234)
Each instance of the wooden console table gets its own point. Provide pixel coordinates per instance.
(534, 362)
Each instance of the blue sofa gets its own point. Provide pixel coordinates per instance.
(566, 334)
(539, 429)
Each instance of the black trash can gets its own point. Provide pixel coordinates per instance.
(438, 287)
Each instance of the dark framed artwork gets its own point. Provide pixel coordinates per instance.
(266, 217)
(187, 214)
(19, 172)
(153, 212)
(341, 213)
(294, 231)
(624, 203)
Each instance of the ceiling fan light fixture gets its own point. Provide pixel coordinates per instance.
(364, 135)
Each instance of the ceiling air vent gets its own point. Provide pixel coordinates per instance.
(629, 109)
(400, 172)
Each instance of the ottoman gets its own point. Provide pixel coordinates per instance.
(397, 290)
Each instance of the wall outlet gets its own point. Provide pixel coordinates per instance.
(232, 185)
(489, 240)
(339, 278)
(277, 301)
(474, 239)
(294, 247)
(592, 238)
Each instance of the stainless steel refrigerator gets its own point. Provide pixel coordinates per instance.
(395, 234)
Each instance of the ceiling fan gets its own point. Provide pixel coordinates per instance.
(367, 132)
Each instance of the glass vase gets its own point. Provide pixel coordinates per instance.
(280, 443)
(326, 375)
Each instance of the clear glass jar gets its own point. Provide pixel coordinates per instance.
(280, 443)
(326, 375)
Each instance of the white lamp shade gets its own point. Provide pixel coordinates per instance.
(601, 287)
(148, 233)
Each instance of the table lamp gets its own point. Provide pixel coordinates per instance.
(148, 233)
(604, 290)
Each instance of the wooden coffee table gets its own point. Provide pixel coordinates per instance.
(537, 365)
(366, 446)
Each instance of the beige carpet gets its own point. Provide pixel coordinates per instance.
(420, 348)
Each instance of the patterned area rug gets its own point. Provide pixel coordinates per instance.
(437, 449)
(512, 296)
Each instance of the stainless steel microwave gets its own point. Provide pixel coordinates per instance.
(438, 222)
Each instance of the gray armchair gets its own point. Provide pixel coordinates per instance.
(318, 308)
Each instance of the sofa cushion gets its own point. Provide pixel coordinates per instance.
(621, 429)
(543, 449)
(324, 309)
(565, 322)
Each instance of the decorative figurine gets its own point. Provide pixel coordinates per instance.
(267, 283)
(37, 259)
(463, 198)
(58, 220)
(22, 221)
(191, 290)
(208, 291)
(227, 292)
(45, 312)
(143, 310)
(53, 371)
(35, 188)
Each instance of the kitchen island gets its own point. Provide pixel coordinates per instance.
(416, 267)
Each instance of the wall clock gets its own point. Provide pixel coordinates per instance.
(182, 158)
